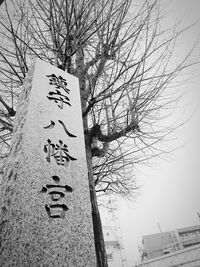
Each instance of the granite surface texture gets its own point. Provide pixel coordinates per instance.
(45, 210)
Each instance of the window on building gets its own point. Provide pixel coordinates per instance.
(189, 236)
(166, 252)
(109, 256)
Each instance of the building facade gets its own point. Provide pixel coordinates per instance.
(189, 236)
(161, 244)
(114, 248)
(187, 257)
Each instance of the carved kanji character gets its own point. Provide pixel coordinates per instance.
(52, 124)
(59, 82)
(59, 95)
(58, 151)
(57, 193)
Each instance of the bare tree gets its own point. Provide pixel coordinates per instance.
(122, 57)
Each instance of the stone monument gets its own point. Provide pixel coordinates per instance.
(45, 217)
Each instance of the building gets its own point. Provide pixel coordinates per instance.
(180, 247)
(114, 247)
(187, 257)
(160, 244)
(115, 250)
(189, 236)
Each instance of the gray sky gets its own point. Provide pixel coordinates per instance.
(170, 193)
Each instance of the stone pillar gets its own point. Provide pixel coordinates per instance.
(45, 215)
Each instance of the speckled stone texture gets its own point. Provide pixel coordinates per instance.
(45, 217)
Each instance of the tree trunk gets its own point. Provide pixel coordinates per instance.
(97, 226)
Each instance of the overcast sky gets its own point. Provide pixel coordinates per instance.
(170, 193)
